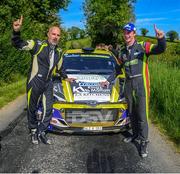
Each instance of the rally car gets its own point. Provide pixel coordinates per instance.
(84, 105)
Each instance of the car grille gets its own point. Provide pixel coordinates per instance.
(90, 115)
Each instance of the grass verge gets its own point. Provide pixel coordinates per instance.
(9, 92)
(165, 98)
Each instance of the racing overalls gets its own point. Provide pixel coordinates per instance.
(137, 90)
(45, 57)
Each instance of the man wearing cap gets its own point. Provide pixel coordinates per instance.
(134, 58)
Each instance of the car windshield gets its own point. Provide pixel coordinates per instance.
(88, 64)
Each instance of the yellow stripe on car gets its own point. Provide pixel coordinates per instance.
(67, 91)
(59, 105)
(115, 91)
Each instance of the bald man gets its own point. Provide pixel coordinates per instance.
(45, 57)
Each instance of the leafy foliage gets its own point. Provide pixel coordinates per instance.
(144, 31)
(79, 43)
(75, 33)
(172, 35)
(104, 19)
(38, 15)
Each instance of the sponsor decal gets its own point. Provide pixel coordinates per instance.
(79, 89)
(100, 90)
(57, 87)
(88, 78)
(88, 84)
(76, 88)
(90, 116)
(87, 87)
(91, 96)
(71, 55)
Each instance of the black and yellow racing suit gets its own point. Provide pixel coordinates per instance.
(134, 59)
(45, 57)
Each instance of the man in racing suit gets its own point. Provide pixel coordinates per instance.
(45, 57)
(134, 59)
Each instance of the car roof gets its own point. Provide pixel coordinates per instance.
(88, 51)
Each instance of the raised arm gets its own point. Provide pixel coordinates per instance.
(160, 47)
(16, 38)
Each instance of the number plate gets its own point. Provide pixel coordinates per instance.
(92, 128)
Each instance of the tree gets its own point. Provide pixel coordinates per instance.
(144, 31)
(172, 35)
(82, 34)
(104, 19)
(75, 33)
(38, 15)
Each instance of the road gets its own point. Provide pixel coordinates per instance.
(84, 154)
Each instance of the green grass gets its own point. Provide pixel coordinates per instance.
(9, 92)
(165, 98)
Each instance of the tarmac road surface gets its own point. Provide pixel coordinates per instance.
(84, 154)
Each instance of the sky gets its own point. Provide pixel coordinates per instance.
(164, 13)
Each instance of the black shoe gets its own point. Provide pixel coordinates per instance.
(143, 149)
(43, 138)
(130, 139)
(34, 136)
